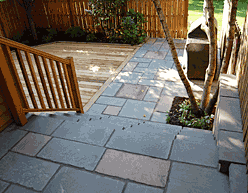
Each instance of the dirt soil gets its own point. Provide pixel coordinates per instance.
(174, 113)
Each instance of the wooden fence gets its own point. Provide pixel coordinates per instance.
(242, 74)
(60, 14)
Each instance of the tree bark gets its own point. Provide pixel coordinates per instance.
(230, 37)
(170, 41)
(212, 56)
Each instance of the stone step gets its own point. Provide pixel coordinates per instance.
(197, 133)
(238, 178)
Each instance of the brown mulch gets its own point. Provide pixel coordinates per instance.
(174, 113)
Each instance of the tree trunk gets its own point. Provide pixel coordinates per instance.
(212, 55)
(170, 41)
(230, 37)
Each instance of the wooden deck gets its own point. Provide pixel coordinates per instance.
(96, 64)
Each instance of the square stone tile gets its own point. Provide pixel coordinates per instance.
(112, 89)
(76, 181)
(137, 188)
(148, 76)
(198, 133)
(155, 142)
(140, 53)
(174, 89)
(164, 104)
(9, 137)
(153, 94)
(31, 144)
(43, 125)
(84, 133)
(144, 70)
(159, 117)
(168, 75)
(3, 185)
(237, 178)
(18, 189)
(128, 77)
(155, 54)
(135, 59)
(132, 91)
(160, 64)
(106, 100)
(231, 147)
(229, 114)
(195, 150)
(191, 178)
(72, 153)
(112, 110)
(96, 109)
(150, 47)
(139, 168)
(137, 109)
(130, 66)
(26, 171)
(143, 64)
(157, 83)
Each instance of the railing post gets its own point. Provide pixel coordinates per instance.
(10, 92)
(74, 84)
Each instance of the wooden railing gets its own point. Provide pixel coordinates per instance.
(44, 82)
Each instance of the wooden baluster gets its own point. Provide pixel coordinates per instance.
(27, 81)
(57, 84)
(74, 85)
(11, 64)
(50, 81)
(68, 84)
(63, 84)
(43, 80)
(34, 79)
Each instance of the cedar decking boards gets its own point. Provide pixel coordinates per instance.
(95, 63)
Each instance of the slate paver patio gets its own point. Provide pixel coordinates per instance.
(17, 189)
(153, 94)
(135, 167)
(132, 91)
(129, 66)
(155, 55)
(128, 77)
(137, 188)
(3, 185)
(112, 110)
(112, 89)
(72, 153)
(27, 171)
(68, 179)
(137, 109)
(106, 100)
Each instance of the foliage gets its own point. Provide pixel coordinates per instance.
(131, 28)
(187, 117)
(91, 37)
(75, 32)
(17, 37)
(51, 34)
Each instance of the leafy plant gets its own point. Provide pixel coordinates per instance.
(75, 32)
(131, 28)
(49, 37)
(17, 37)
(91, 37)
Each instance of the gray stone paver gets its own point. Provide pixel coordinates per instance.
(198, 133)
(167, 74)
(27, 171)
(129, 66)
(112, 89)
(43, 125)
(106, 100)
(155, 54)
(135, 167)
(96, 109)
(76, 181)
(190, 178)
(148, 76)
(164, 104)
(128, 77)
(238, 178)
(83, 133)
(31, 144)
(174, 89)
(137, 188)
(158, 83)
(134, 59)
(3, 186)
(160, 64)
(153, 94)
(159, 117)
(73, 153)
(8, 138)
(137, 109)
(155, 143)
(132, 91)
(143, 64)
(145, 70)
(18, 189)
(112, 110)
(140, 53)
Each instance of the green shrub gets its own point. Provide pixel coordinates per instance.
(17, 37)
(75, 32)
(91, 37)
(50, 36)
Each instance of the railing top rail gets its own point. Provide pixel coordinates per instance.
(23, 47)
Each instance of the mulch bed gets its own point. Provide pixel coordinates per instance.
(174, 113)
